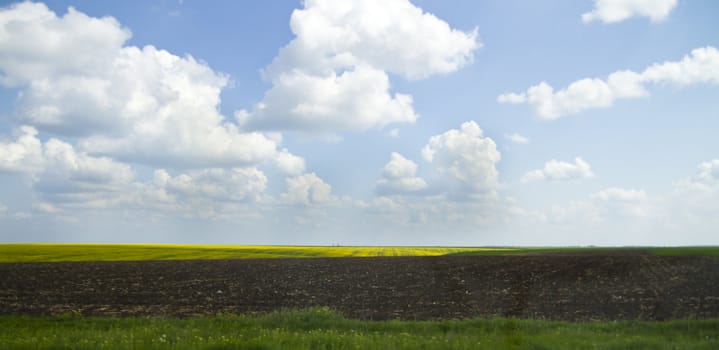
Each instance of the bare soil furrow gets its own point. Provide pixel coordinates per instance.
(600, 286)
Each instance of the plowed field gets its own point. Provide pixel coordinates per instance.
(596, 286)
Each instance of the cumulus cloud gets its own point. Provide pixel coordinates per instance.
(705, 181)
(334, 74)
(235, 184)
(393, 36)
(700, 66)
(63, 177)
(307, 189)
(623, 202)
(289, 163)
(59, 172)
(620, 194)
(555, 170)
(512, 98)
(65, 169)
(467, 155)
(37, 44)
(357, 99)
(629, 209)
(517, 138)
(610, 11)
(400, 176)
(467, 193)
(22, 155)
(695, 201)
(77, 79)
(106, 106)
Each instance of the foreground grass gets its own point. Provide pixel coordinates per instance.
(323, 329)
(56, 252)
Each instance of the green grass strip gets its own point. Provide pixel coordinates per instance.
(321, 328)
(664, 251)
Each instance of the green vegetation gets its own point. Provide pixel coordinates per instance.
(693, 251)
(667, 251)
(323, 329)
(49, 252)
(55, 252)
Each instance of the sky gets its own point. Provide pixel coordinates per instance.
(373, 122)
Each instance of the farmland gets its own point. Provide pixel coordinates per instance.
(39, 252)
(608, 285)
(217, 296)
(42, 252)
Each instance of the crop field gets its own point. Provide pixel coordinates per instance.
(178, 296)
(58, 252)
(39, 252)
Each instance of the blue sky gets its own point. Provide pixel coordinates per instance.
(360, 122)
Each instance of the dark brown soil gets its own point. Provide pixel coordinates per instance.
(602, 286)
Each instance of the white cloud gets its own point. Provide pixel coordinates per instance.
(695, 201)
(37, 44)
(423, 216)
(400, 176)
(119, 104)
(357, 99)
(68, 176)
(58, 160)
(610, 11)
(705, 181)
(45, 207)
(308, 189)
(467, 194)
(700, 66)
(25, 154)
(517, 138)
(399, 167)
(623, 202)
(394, 36)
(603, 212)
(555, 170)
(63, 178)
(59, 173)
(290, 164)
(334, 74)
(3, 209)
(512, 98)
(113, 105)
(394, 133)
(709, 172)
(620, 194)
(466, 155)
(136, 104)
(236, 184)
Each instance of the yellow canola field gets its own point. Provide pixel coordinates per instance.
(56, 252)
